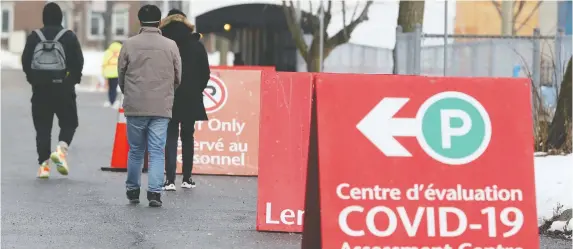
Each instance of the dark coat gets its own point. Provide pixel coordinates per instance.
(74, 59)
(188, 104)
(52, 19)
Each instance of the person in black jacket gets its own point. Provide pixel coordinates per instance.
(188, 105)
(51, 96)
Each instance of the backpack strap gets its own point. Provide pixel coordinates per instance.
(40, 35)
(60, 34)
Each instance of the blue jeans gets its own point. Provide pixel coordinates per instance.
(142, 132)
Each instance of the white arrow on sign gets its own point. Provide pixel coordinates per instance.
(380, 127)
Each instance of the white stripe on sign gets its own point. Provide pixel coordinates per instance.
(121, 119)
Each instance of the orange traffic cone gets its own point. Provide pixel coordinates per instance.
(120, 145)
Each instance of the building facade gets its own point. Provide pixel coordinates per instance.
(85, 18)
(484, 18)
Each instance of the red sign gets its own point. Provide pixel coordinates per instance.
(424, 162)
(283, 151)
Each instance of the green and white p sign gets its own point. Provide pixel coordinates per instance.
(455, 128)
(451, 127)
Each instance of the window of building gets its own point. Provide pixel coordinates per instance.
(95, 25)
(7, 20)
(120, 22)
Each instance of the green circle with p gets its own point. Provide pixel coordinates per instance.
(455, 128)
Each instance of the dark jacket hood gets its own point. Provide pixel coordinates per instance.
(52, 15)
(177, 27)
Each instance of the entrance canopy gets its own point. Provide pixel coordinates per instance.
(262, 16)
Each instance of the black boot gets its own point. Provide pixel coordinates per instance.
(133, 196)
(154, 199)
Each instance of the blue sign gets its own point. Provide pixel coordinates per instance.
(516, 70)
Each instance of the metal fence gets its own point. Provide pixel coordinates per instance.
(541, 58)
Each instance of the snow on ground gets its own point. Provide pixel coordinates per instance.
(92, 61)
(10, 60)
(553, 184)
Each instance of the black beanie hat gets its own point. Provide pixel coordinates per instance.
(149, 15)
(52, 14)
(176, 12)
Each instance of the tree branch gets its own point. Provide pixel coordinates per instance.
(344, 15)
(497, 7)
(533, 11)
(343, 36)
(327, 14)
(295, 29)
(519, 9)
(354, 13)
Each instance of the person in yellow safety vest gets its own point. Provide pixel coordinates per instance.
(109, 68)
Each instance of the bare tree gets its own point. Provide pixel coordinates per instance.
(410, 13)
(518, 10)
(559, 137)
(311, 54)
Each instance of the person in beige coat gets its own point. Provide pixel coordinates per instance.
(149, 71)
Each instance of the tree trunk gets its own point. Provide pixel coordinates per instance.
(410, 13)
(558, 130)
(313, 64)
(108, 32)
(313, 60)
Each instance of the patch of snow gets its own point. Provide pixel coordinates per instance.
(553, 184)
(540, 153)
(92, 61)
(558, 226)
(10, 60)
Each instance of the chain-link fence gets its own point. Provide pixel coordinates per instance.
(541, 58)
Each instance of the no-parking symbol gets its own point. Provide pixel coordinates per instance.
(215, 94)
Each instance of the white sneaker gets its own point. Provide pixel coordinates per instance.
(115, 105)
(188, 184)
(169, 186)
(107, 104)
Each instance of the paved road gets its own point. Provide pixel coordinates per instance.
(88, 209)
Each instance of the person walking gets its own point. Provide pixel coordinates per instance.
(109, 67)
(188, 105)
(53, 62)
(149, 71)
